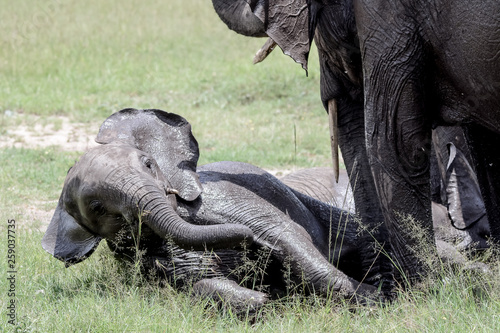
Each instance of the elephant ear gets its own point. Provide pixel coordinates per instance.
(291, 24)
(167, 137)
(66, 240)
(465, 204)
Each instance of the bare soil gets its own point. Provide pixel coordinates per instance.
(58, 131)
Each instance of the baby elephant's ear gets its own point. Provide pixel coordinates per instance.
(66, 240)
(167, 137)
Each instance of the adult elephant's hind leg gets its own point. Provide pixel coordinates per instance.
(483, 144)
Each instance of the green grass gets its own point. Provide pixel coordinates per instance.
(86, 60)
(97, 296)
(33, 175)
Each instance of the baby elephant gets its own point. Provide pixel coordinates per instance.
(141, 190)
(462, 225)
(462, 222)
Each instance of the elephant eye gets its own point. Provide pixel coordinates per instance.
(148, 163)
(97, 208)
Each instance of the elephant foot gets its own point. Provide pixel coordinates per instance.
(229, 294)
(366, 295)
(477, 267)
(450, 255)
(340, 286)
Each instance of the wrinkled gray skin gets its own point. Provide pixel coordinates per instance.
(319, 183)
(395, 70)
(145, 168)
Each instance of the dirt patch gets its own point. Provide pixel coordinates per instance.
(54, 131)
(38, 216)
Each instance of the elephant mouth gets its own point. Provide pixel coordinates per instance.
(170, 192)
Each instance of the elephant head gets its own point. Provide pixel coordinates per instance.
(147, 159)
(166, 136)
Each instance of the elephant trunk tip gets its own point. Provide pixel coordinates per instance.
(238, 16)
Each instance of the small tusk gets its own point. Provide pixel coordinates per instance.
(334, 136)
(264, 51)
(172, 191)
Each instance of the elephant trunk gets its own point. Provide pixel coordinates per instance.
(161, 217)
(238, 16)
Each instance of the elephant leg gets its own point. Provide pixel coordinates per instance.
(441, 136)
(239, 299)
(318, 273)
(374, 258)
(399, 149)
(398, 134)
(450, 255)
(484, 150)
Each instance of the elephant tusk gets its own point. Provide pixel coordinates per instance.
(172, 191)
(264, 51)
(334, 136)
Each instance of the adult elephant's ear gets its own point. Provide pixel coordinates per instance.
(291, 24)
(66, 240)
(167, 137)
(465, 203)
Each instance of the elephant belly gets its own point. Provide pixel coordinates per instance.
(455, 107)
(466, 47)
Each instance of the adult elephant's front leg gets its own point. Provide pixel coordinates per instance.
(351, 134)
(352, 141)
(397, 129)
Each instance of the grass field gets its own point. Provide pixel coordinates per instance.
(86, 60)
(89, 60)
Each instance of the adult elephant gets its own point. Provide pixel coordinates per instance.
(393, 70)
(142, 190)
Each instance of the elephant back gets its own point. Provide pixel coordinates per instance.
(319, 183)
